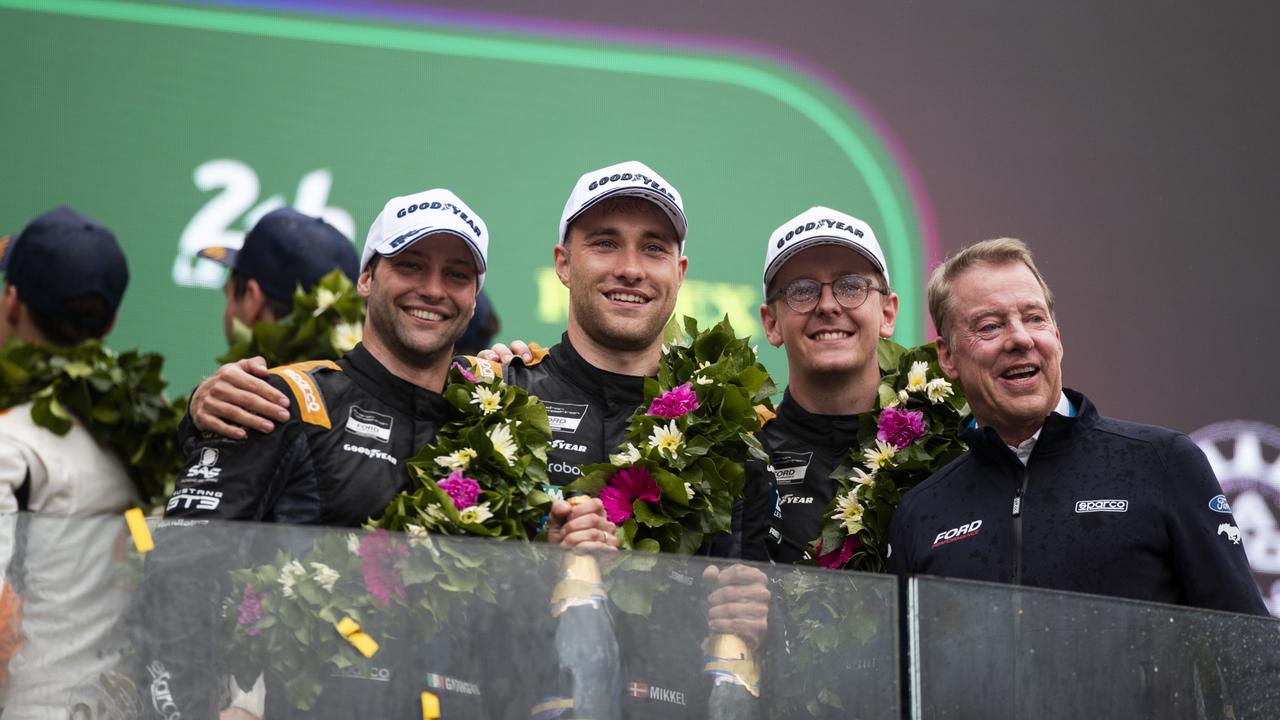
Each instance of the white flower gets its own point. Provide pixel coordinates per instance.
(289, 574)
(417, 534)
(346, 336)
(629, 456)
(325, 298)
(880, 455)
(325, 575)
(701, 380)
(688, 488)
(500, 436)
(666, 440)
(475, 514)
(434, 512)
(918, 376)
(849, 512)
(457, 460)
(863, 478)
(902, 397)
(486, 399)
(353, 544)
(938, 390)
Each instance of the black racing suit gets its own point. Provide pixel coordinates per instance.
(338, 461)
(804, 448)
(589, 410)
(1102, 506)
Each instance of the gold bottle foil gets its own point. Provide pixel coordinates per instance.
(731, 660)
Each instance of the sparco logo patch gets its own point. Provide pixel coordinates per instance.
(565, 417)
(955, 534)
(377, 674)
(789, 467)
(308, 391)
(161, 695)
(1088, 506)
(369, 424)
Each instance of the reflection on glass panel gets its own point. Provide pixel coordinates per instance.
(289, 622)
(983, 650)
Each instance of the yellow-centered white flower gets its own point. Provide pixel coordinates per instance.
(849, 512)
(346, 336)
(938, 390)
(325, 575)
(629, 456)
(325, 298)
(918, 376)
(457, 460)
(500, 436)
(487, 400)
(666, 440)
(880, 455)
(475, 514)
(863, 478)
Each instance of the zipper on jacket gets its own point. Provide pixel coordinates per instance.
(1017, 526)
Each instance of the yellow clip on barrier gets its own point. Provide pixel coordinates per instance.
(430, 706)
(350, 629)
(137, 523)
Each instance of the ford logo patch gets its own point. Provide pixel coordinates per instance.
(1219, 504)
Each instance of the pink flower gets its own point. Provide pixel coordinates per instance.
(462, 490)
(675, 402)
(624, 488)
(250, 608)
(900, 428)
(378, 557)
(838, 558)
(464, 372)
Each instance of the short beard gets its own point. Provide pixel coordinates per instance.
(597, 327)
(387, 331)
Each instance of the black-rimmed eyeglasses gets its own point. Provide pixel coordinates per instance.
(849, 290)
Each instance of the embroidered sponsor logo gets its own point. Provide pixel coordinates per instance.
(789, 468)
(377, 674)
(1231, 531)
(565, 417)
(187, 498)
(797, 500)
(205, 470)
(1090, 506)
(161, 695)
(800, 230)
(564, 469)
(571, 447)
(442, 682)
(374, 453)
(309, 397)
(1219, 504)
(963, 532)
(367, 423)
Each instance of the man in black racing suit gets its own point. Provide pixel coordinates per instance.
(828, 303)
(621, 256)
(337, 460)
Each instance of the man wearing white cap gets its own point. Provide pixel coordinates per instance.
(338, 459)
(828, 302)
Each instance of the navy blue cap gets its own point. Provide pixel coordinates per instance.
(287, 249)
(63, 255)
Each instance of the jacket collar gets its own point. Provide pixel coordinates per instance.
(611, 387)
(372, 377)
(833, 431)
(1055, 437)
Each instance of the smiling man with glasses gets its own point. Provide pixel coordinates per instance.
(828, 303)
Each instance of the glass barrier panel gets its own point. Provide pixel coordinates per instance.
(981, 650)
(305, 622)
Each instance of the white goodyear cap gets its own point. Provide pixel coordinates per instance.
(821, 226)
(628, 178)
(405, 220)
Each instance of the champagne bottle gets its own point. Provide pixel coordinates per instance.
(735, 690)
(585, 641)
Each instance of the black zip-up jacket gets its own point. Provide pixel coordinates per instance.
(338, 461)
(804, 449)
(589, 409)
(1102, 506)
